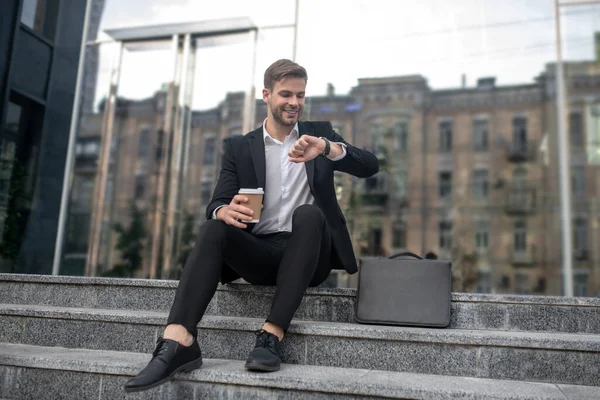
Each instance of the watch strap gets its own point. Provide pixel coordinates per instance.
(327, 146)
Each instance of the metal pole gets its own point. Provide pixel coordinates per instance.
(64, 200)
(163, 164)
(563, 158)
(250, 100)
(174, 182)
(103, 166)
(296, 30)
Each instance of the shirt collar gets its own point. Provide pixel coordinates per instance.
(266, 136)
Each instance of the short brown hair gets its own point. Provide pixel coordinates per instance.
(281, 69)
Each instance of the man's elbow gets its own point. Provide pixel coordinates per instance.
(374, 169)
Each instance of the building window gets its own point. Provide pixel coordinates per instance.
(87, 148)
(445, 235)
(205, 191)
(144, 143)
(482, 234)
(399, 239)
(576, 129)
(480, 135)
(209, 150)
(480, 183)
(520, 237)
(445, 182)
(484, 284)
(580, 241)
(522, 284)
(578, 181)
(40, 16)
(580, 283)
(140, 186)
(377, 135)
(400, 134)
(520, 134)
(84, 194)
(400, 183)
(445, 136)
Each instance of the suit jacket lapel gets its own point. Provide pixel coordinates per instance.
(257, 151)
(310, 165)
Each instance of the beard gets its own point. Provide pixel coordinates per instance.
(279, 118)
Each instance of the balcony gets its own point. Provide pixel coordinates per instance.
(520, 201)
(520, 152)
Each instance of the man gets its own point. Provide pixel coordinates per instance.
(300, 237)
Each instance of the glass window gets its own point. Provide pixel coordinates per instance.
(480, 135)
(578, 180)
(399, 240)
(445, 184)
(445, 241)
(140, 186)
(445, 136)
(377, 135)
(520, 237)
(400, 136)
(580, 282)
(13, 117)
(522, 285)
(206, 191)
(144, 142)
(484, 284)
(400, 183)
(580, 241)
(40, 16)
(480, 183)
(520, 134)
(576, 129)
(209, 150)
(482, 234)
(504, 109)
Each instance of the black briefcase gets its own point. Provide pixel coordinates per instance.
(404, 291)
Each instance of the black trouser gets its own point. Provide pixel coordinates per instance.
(290, 260)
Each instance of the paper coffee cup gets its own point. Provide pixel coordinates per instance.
(255, 199)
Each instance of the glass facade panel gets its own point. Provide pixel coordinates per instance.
(465, 130)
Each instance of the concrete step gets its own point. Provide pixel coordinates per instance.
(35, 372)
(469, 311)
(528, 356)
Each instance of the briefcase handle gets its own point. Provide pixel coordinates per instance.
(406, 253)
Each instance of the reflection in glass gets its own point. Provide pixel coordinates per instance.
(464, 130)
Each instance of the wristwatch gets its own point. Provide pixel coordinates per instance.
(327, 146)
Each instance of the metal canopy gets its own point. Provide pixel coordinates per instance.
(197, 29)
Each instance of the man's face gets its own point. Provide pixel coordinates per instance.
(286, 100)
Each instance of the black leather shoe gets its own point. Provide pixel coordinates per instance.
(265, 356)
(168, 358)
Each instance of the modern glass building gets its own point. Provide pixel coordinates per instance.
(40, 42)
(485, 118)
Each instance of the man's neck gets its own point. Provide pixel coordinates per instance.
(277, 131)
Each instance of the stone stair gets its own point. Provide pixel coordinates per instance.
(77, 338)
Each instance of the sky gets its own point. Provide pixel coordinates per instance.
(340, 41)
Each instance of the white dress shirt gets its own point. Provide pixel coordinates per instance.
(286, 184)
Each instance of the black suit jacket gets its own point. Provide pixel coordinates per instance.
(243, 166)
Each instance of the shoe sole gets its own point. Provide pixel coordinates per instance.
(252, 366)
(189, 367)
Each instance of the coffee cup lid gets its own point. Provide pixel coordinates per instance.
(252, 191)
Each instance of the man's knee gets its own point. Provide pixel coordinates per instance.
(308, 214)
(213, 229)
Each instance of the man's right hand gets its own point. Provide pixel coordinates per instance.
(235, 213)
